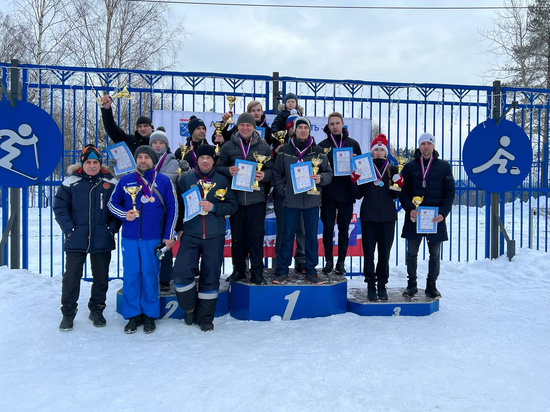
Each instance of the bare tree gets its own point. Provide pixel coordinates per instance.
(14, 43)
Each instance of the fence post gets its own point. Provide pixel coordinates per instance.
(495, 198)
(276, 91)
(15, 201)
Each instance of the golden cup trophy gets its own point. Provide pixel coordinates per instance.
(133, 191)
(220, 194)
(219, 126)
(401, 160)
(316, 162)
(280, 136)
(184, 150)
(417, 200)
(231, 100)
(122, 94)
(206, 187)
(260, 159)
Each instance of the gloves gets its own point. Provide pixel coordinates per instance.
(183, 165)
(398, 180)
(354, 177)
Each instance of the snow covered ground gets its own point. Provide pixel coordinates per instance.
(487, 349)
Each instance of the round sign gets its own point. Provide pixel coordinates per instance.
(497, 158)
(31, 144)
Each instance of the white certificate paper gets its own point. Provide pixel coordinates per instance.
(300, 174)
(342, 161)
(244, 178)
(424, 219)
(364, 167)
(191, 199)
(124, 159)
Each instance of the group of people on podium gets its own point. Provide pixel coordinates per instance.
(155, 206)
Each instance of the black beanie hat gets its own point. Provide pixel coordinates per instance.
(149, 151)
(90, 152)
(290, 96)
(205, 150)
(144, 120)
(246, 118)
(194, 122)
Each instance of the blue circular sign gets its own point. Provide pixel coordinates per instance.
(31, 144)
(497, 158)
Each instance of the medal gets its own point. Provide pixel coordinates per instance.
(151, 199)
(380, 183)
(144, 199)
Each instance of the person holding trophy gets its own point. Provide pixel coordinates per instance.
(429, 182)
(197, 137)
(338, 199)
(202, 234)
(248, 223)
(291, 180)
(145, 202)
(378, 216)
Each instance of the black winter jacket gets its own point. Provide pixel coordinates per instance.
(213, 224)
(117, 135)
(80, 208)
(340, 189)
(227, 132)
(439, 191)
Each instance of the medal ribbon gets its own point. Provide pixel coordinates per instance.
(342, 140)
(425, 171)
(161, 162)
(244, 148)
(301, 153)
(384, 168)
(146, 187)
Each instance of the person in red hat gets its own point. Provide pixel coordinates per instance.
(378, 216)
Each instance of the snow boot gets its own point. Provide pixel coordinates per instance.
(300, 268)
(411, 289)
(257, 279)
(189, 317)
(431, 291)
(67, 322)
(371, 292)
(340, 269)
(96, 316)
(235, 277)
(204, 313)
(133, 324)
(329, 265)
(382, 292)
(149, 324)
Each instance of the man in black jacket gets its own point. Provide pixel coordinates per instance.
(429, 177)
(144, 127)
(80, 208)
(338, 199)
(197, 138)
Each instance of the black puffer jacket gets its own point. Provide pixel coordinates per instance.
(439, 191)
(117, 135)
(340, 189)
(80, 208)
(227, 132)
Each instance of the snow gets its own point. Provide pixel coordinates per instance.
(487, 349)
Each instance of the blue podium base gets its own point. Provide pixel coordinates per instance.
(170, 309)
(396, 305)
(296, 299)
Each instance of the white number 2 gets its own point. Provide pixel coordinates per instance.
(171, 305)
(292, 299)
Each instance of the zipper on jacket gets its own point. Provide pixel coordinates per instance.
(101, 201)
(203, 228)
(90, 215)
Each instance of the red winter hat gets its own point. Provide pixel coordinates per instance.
(380, 142)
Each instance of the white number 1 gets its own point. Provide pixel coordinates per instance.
(292, 299)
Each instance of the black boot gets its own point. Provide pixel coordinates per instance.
(235, 277)
(148, 324)
(329, 265)
(257, 279)
(189, 317)
(96, 316)
(371, 292)
(431, 291)
(340, 270)
(133, 324)
(204, 314)
(67, 322)
(300, 268)
(411, 289)
(382, 292)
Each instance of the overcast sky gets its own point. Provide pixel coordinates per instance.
(375, 45)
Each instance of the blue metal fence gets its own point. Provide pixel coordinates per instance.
(400, 110)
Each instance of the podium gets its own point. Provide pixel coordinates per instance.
(296, 299)
(396, 305)
(170, 309)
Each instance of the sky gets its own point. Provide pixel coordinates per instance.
(372, 45)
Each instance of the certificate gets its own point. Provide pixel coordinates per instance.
(300, 174)
(124, 159)
(364, 167)
(244, 178)
(342, 161)
(261, 131)
(424, 222)
(191, 199)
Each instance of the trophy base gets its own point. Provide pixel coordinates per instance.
(313, 192)
(203, 213)
(396, 188)
(256, 188)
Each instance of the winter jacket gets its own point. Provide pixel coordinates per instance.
(80, 208)
(169, 166)
(279, 123)
(212, 224)
(283, 182)
(154, 221)
(190, 156)
(439, 191)
(231, 151)
(227, 132)
(340, 189)
(117, 135)
(378, 205)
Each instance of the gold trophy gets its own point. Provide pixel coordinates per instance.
(401, 161)
(219, 126)
(184, 150)
(316, 162)
(231, 100)
(133, 191)
(417, 200)
(260, 159)
(122, 94)
(280, 136)
(206, 187)
(220, 194)
(327, 150)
